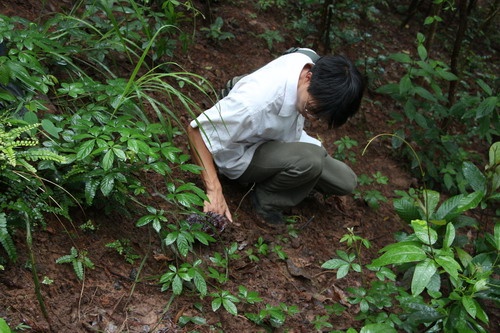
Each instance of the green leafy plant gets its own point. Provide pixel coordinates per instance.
(6, 239)
(187, 273)
(487, 182)
(321, 322)
(434, 255)
(249, 296)
(346, 261)
(123, 247)
(215, 31)
(4, 327)
(79, 260)
(432, 123)
(184, 237)
(275, 316)
(225, 299)
(266, 4)
(372, 197)
(271, 36)
(278, 250)
(344, 146)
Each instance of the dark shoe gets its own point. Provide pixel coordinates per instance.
(272, 217)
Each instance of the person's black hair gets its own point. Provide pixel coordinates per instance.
(337, 88)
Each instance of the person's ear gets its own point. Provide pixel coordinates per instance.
(309, 76)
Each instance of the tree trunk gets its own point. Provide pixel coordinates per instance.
(463, 15)
(324, 33)
(412, 9)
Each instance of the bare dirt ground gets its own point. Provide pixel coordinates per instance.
(109, 300)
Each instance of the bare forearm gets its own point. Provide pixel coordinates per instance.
(202, 157)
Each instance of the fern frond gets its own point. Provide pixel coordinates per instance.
(14, 133)
(26, 165)
(78, 268)
(43, 154)
(6, 239)
(9, 141)
(75, 170)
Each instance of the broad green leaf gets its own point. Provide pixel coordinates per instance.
(342, 271)
(480, 313)
(200, 283)
(171, 238)
(216, 303)
(424, 93)
(405, 85)
(427, 235)
(144, 220)
(474, 177)
(494, 154)
(410, 111)
(406, 209)
(470, 201)
(107, 160)
(480, 285)
(421, 313)
(449, 235)
(119, 153)
(401, 57)
(431, 200)
(378, 328)
(50, 128)
(156, 225)
(464, 257)
(448, 210)
(391, 89)
(449, 264)
(333, 264)
(421, 120)
(448, 76)
(107, 184)
(428, 70)
(469, 306)
(85, 149)
(4, 328)
(230, 306)
(422, 52)
(487, 107)
(91, 187)
(177, 285)
(486, 88)
(400, 254)
(422, 275)
(182, 244)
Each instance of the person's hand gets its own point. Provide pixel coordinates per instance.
(217, 204)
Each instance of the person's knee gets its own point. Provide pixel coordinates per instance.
(310, 160)
(349, 183)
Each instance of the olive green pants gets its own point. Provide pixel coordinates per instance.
(285, 173)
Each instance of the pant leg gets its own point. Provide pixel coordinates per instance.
(284, 173)
(336, 178)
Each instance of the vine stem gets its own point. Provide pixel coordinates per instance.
(422, 173)
(36, 281)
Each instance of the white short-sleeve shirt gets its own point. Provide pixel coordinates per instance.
(261, 107)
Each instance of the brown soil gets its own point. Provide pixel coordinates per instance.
(108, 300)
